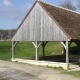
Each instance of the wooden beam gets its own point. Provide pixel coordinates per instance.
(13, 48)
(36, 51)
(43, 47)
(15, 43)
(37, 45)
(63, 44)
(67, 52)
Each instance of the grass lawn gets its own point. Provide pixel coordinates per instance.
(73, 73)
(26, 49)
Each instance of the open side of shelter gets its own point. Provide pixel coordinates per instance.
(46, 23)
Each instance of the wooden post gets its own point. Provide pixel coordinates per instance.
(67, 54)
(78, 53)
(43, 49)
(13, 49)
(36, 45)
(36, 51)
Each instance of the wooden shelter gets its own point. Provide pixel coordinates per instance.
(46, 22)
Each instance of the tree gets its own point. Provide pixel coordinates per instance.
(6, 34)
(68, 4)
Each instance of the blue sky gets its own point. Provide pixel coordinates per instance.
(13, 11)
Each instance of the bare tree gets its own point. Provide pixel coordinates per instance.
(68, 4)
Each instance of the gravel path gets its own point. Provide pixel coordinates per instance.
(16, 71)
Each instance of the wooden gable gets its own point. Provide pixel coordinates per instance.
(39, 26)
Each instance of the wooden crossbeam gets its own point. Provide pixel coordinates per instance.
(63, 44)
(43, 47)
(13, 48)
(37, 45)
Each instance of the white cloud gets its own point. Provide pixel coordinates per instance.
(12, 12)
(7, 3)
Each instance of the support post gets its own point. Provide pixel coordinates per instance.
(67, 54)
(78, 53)
(13, 42)
(36, 51)
(13, 48)
(36, 45)
(43, 47)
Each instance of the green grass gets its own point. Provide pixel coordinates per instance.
(62, 71)
(73, 73)
(5, 50)
(26, 49)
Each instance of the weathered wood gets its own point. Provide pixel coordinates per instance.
(67, 52)
(63, 44)
(38, 26)
(36, 51)
(37, 45)
(13, 48)
(43, 48)
(15, 43)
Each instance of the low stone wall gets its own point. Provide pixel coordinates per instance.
(43, 63)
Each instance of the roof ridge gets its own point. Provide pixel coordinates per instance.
(59, 7)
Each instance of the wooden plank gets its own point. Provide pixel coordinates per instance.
(39, 26)
(67, 52)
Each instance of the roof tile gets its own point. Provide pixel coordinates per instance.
(68, 20)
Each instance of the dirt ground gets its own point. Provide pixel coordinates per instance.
(16, 71)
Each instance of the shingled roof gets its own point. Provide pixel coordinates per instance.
(68, 21)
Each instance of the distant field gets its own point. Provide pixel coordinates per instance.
(26, 49)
